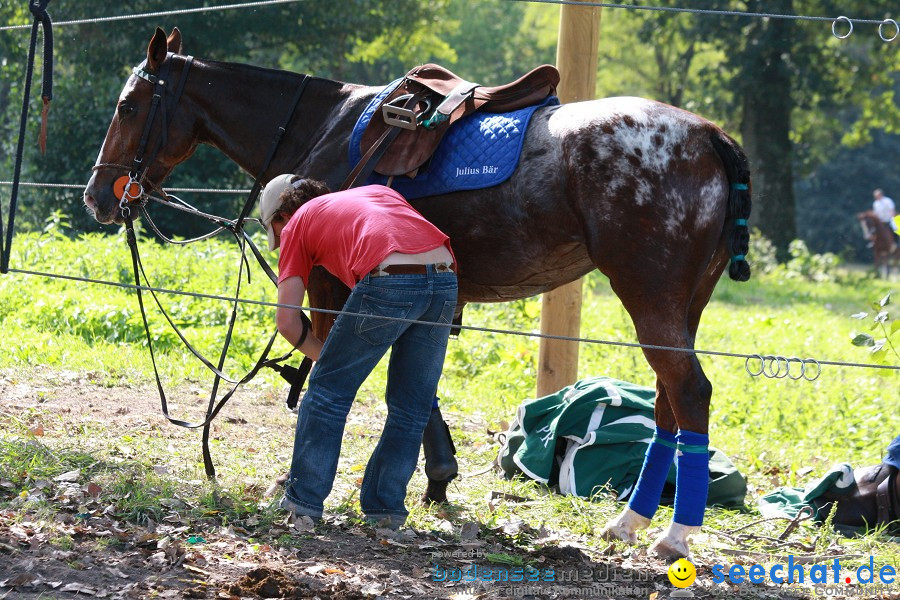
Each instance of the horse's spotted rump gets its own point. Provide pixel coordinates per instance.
(638, 147)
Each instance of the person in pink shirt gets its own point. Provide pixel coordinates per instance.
(402, 275)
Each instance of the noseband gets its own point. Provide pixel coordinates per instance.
(164, 103)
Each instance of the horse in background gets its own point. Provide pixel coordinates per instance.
(885, 251)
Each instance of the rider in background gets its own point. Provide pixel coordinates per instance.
(885, 210)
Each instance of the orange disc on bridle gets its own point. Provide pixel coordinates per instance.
(134, 188)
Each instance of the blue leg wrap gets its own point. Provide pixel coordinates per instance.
(645, 499)
(692, 480)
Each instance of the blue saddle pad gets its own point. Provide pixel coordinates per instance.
(478, 151)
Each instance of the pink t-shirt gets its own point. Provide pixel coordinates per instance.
(351, 232)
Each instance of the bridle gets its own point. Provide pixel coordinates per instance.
(164, 103)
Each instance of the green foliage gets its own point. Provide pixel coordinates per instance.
(802, 264)
(659, 55)
(830, 198)
(813, 267)
(882, 348)
(762, 253)
(99, 315)
(496, 41)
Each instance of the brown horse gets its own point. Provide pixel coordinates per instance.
(655, 197)
(885, 250)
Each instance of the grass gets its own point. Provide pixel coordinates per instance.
(777, 431)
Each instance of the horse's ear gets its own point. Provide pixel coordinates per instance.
(174, 41)
(156, 51)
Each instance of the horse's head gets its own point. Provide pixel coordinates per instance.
(868, 222)
(147, 136)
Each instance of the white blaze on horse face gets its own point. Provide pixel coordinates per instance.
(123, 95)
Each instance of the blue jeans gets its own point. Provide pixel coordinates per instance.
(893, 453)
(353, 348)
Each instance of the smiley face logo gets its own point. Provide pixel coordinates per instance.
(682, 573)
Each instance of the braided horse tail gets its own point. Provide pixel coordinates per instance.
(737, 169)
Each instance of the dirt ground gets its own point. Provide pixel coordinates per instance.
(108, 556)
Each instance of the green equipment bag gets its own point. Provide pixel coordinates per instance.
(593, 435)
(789, 501)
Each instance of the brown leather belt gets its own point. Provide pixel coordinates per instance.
(381, 271)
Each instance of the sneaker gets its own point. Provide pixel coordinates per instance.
(392, 522)
(297, 512)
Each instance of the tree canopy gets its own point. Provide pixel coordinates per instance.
(817, 115)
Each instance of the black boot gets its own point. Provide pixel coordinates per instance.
(440, 460)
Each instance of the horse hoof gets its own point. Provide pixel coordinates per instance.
(612, 533)
(435, 492)
(673, 544)
(625, 526)
(667, 550)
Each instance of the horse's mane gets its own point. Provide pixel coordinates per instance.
(271, 72)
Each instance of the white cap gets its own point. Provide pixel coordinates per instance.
(269, 202)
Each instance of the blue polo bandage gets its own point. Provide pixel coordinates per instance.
(645, 499)
(692, 479)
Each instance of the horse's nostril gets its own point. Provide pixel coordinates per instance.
(89, 201)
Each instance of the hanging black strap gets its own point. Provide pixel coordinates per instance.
(279, 134)
(213, 409)
(138, 268)
(38, 8)
(297, 377)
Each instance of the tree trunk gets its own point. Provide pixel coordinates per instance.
(765, 85)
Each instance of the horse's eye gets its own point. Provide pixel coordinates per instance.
(125, 110)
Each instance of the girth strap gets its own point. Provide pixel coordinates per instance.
(279, 134)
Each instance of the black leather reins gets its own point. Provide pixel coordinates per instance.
(165, 105)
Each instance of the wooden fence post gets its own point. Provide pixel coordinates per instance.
(576, 59)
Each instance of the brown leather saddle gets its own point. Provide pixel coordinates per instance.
(411, 121)
(872, 500)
